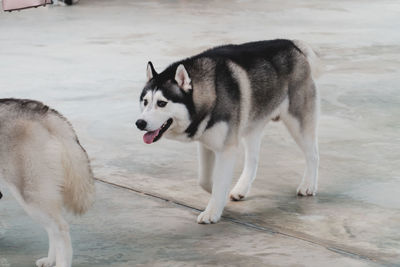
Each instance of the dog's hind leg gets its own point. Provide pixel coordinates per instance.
(60, 250)
(63, 243)
(50, 260)
(49, 216)
(303, 128)
(251, 143)
(40, 194)
(35, 213)
(47, 222)
(206, 166)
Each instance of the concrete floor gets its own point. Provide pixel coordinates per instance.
(130, 229)
(88, 61)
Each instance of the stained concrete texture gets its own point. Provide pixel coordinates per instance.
(88, 61)
(137, 230)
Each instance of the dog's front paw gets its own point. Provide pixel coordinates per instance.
(209, 216)
(306, 189)
(45, 262)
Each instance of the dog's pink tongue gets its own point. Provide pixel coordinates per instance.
(148, 137)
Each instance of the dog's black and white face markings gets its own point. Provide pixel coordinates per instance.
(163, 104)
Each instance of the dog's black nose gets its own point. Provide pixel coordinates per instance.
(141, 124)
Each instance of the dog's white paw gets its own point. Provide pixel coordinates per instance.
(306, 189)
(209, 216)
(45, 262)
(239, 192)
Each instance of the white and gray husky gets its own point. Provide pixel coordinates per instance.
(46, 169)
(226, 95)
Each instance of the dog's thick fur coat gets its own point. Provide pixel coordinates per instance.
(226, 95)
(46, 169)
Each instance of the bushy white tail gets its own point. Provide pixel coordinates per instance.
(78, 182)
(78, 193)
(312, 57)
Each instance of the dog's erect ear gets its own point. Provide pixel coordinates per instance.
(151, 72)
(182, 78)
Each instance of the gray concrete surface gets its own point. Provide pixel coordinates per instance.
(125, 228)
(89, 62)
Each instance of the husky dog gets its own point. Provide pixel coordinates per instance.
(46, 169)
(226, 95)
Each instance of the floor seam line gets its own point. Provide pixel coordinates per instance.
(334, 249)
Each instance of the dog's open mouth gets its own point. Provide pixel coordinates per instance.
(154, 136)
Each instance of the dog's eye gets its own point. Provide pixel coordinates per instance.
(145, 102)
(161, 104)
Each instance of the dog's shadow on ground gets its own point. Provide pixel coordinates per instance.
(262, 209)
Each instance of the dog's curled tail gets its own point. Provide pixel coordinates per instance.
(312, 56)
(79, 189)
(77, 185)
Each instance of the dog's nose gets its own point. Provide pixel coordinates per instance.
(141, 124)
